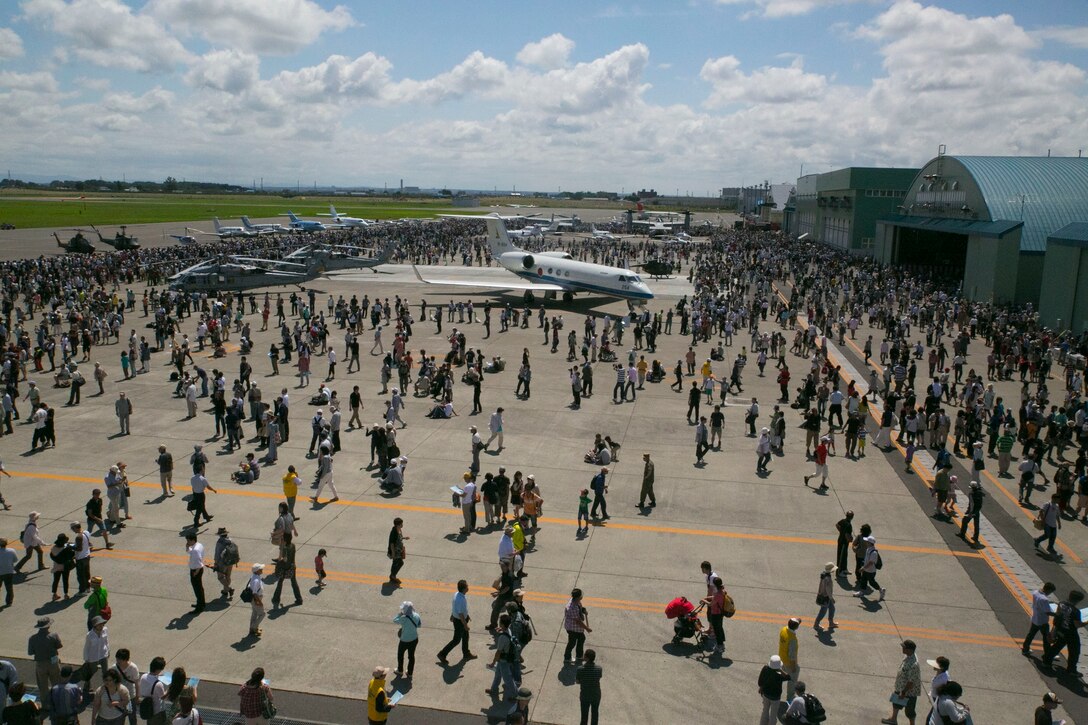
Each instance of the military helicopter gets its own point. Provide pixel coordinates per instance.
(656, 269)
(77, 244)
(335, 257)
(238, 274)
(121, 241)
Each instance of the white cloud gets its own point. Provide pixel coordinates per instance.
(548, 53)
(266, 27)
(335, 79)
(11, 45)
(772, 84)
(231, 71)
(786, 8)
(477, 74)
(108, 33)
(1074, 36)
(156, 99)
(39, 81)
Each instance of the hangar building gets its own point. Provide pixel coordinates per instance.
(1064, 300)
(985, 220)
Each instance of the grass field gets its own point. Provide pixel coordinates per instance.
(27, 210)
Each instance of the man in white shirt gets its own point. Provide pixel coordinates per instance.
(796, 710)
(197, 504)
(96, 650)
(495, 426)
(196, 569)
(151, 686)
(468, 504)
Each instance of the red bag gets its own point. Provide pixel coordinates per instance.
(106, 613)
(678, 608)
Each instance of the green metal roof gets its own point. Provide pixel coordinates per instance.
(1045, 193)
(954, 226)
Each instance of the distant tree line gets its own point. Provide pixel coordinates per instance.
(169, 185)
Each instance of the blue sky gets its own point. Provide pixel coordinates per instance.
(574, 95)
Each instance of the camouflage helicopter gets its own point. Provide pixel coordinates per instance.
(78, 244)
(656, 268)
(121, 241)
(336, 257)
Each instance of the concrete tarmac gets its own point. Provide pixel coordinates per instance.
(768, 536)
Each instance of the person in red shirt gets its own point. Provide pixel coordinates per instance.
(820, 456)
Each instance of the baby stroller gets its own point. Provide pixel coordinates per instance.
(687, 619)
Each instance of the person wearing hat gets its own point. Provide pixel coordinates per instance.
(82, 545)
(867, 581)
(825, 597)
(947, 708)
(820, 457)
(44, 646)
(787, 652)
(520, 708)
(940, 667)
(225, 557)
(324, 475)
(908, 686)
(378, 706)
(96, 651)
(256, 589)
(763, 451)
(32, 542)
(770, 682)
(975, 497)
(1042, 713)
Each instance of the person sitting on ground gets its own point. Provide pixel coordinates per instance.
(220, 351)
(442, 410)
(497, 365)
(718, 353)
(63, 378)
(657, 372)
(322, 396)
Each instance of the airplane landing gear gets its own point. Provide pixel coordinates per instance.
(530, 298)
(568, 296)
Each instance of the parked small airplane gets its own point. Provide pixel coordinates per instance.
(551, 272)
(183, 238)
(226, 232)
(78, 244)
(348, 221)
(305, 225)
(263, 228)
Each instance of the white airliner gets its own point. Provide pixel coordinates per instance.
(552, 272)
(348, 221)
(223, 231)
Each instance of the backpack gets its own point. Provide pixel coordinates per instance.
(729, 608)
(879, 561)
(147, 708)
(513, 652)
(230, 553)
(814, 709)
(525, 630)
(246, 595)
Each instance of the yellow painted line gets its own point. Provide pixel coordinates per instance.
(483, 591)
(448, 511)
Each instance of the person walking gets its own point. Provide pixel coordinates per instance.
(378, 705)
(32, 542)
(291, 482)
(715, 602)
(820, 458)
(44, 646)
(165, 462)
(845, 528)
(225, 558)
(702, 440)
(867, 581)
(408, 637)
(96, 651)
(908, 686)
(256, 600)
(647, 483)
(396, 550)
(461, 619)
(123, 407)
(825, 597)
(495, 425)
(576, 623)
(771, 679)
(324, 476)
(286, 569)
(588, 678)
(198, 501)
(975, 497)
(599, 486)
(787, 652)
(1051, 519)
(1067, 625)
(763, 451)
(1040, 617)
(195, 551)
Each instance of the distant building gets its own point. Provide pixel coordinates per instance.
(465, 201)
(986, 220)
(840, 208)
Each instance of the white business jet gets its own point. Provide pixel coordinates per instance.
(552, 272)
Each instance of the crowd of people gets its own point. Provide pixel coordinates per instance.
(786, 304)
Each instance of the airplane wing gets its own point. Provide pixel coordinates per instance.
(536, 287)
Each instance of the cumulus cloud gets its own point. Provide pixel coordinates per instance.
(156, 99)
(1071, 35)
(335, 79)
(11, 45)
(786, 8)
(40, 81)
(772, 84)
(108, 33)
(548, 53)
(231, 71)
(267, 27)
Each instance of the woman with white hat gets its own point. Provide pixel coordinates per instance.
(32, 542)
(408, 636)
(825, 597)
(771, 679)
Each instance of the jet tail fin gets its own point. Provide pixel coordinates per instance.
(247, 224)
(497, 238)
(215, 220)
(387, 252)
(332, 211)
